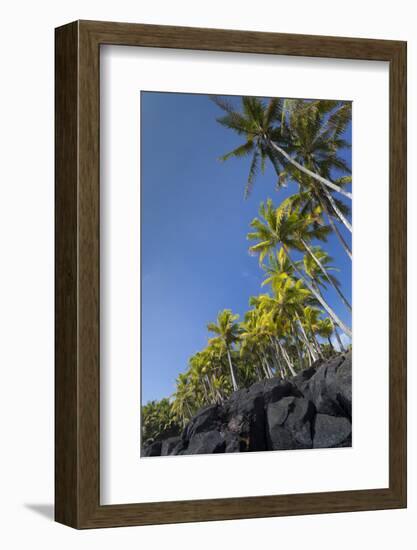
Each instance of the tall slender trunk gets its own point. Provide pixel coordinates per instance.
(268, 368)
(323, 302)
(305, 170)
(324, 271)
(205, 392)
(297, 345)
(330, 343)
(211, 389)
(260, 367)
(285, 356)
(316, 342)
(339, 214)
(188, 409)
(336, 230)
(339, 340)
(306, 340)
(276, 359)
(232, 370)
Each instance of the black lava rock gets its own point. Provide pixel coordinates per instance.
(311, 409)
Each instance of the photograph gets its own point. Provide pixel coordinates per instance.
(246, 273)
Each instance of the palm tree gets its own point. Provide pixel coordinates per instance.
(325, 329)
(311, 318)
(255, 337)
(315, 128)
(277, 267)
(182, 399)
(317, 267)
(158, 420)
(259, 124)
(278, 226)
(289, 296)
(228, 331)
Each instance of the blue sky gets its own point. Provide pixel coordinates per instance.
(194, 222)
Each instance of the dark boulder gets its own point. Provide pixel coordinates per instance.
(206, 443)
(154, 449)
(168, 445)
(330, 388)
(300, 381)
(234, 443)
(247, 419)
(275, 389)
(289, 424)
(206, 419)
(332, 431)
(179, 447)
(342, 388)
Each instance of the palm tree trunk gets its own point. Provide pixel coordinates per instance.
(303, 332)
(305, 170)
(339, 340)
(278, 355)
(330, 343)
(297, 345)
(265, 370)
(316, 343)
(339, 214)
(324, 271)
(268, 368)
(338, 234)
(276, 359)
(285, 356)
(260, 367)
(321, 300)
(205, 391)
(232, 371)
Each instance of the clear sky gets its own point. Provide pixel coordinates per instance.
(194, 222)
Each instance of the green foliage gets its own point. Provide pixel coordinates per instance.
(158, 421)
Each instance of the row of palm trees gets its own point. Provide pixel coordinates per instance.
(292, 325)
(282, 333)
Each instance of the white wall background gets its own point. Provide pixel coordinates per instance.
(26, 273)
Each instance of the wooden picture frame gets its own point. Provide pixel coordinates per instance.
(77, 382)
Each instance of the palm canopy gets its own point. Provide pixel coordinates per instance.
(267, 127)
(254, 122)
(228, 331)
(226, 327)
(315, 129)
(278, 267)
(284, 225)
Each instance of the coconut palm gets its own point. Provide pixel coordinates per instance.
(311, 320)
(228, 331)
(158, 420)
(315, 129)
(317, 266)
(255, 339)
(325, 329)
(259, 123)
(310, 226)
(289, 296)
(182, 404)
(279, 226)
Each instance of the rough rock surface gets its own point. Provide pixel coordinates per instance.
(311, 410)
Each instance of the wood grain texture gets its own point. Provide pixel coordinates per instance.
(66, 304)
(78, 286)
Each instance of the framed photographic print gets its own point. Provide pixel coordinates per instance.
(230, 274)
